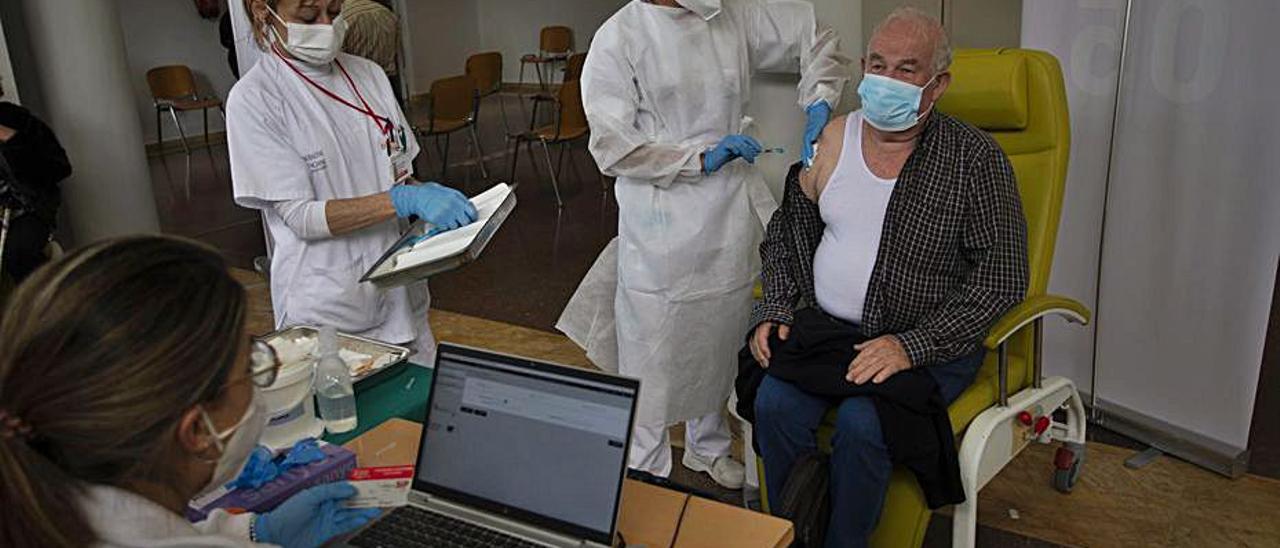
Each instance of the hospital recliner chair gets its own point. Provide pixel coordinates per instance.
(1018, 96)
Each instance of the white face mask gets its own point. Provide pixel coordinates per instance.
(316, 45)
(244, 435)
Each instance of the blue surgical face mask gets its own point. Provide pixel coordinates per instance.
(889, 104)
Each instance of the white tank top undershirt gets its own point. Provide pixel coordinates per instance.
(853, 206)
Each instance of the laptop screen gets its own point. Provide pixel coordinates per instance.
(532, 441)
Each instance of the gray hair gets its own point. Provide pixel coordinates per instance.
(927, 25)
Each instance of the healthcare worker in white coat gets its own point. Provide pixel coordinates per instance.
(319, 145)
(129, 386)
(665, 88)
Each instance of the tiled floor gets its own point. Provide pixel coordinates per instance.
(193, 198)
(534, 264)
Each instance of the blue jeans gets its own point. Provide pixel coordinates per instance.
(787, 420)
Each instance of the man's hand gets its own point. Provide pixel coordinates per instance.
(877, 360)
(760, 341)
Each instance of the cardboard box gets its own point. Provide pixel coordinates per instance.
(392, 443)
(649, 514)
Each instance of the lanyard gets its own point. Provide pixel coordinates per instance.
(384, 124)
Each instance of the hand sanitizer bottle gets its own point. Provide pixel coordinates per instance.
(335, 394)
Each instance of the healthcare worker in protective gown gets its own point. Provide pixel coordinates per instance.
(665, 88)
(319, 145)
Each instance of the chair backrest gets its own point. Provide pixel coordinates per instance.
(171, 82)
(453, 98)
(573, 117)
(556, 39)
(1018, 96)
(573, 66)
(486, 70)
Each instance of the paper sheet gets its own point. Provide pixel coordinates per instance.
(453, 242)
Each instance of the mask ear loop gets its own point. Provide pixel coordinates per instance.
(212, 429)
(924, 88)
(275, 31)
(218, 437)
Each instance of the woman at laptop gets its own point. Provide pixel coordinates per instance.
(128, 387)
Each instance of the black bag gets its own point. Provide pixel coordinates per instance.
(14, 195)
(806, 499)
(747, 383)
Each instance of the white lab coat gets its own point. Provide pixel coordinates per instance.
(661, 85)
(289, 141)
(122, 518)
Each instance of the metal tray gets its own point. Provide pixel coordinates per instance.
(385, 279)
(350, 342)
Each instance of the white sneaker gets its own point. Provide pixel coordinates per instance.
(726, 472)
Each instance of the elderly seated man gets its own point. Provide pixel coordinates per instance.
(896, 251)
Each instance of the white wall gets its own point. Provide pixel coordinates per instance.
(169, 32)
(78, 46)
(512, 26)
(444, 32)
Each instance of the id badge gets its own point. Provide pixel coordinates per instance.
(398, 152)
(401, 166)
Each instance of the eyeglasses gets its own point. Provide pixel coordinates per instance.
(264, 364)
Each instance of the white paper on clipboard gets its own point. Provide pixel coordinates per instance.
(451, 243)
(409, 260)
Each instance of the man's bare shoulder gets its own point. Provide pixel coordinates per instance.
(834, 129)
(830, 143)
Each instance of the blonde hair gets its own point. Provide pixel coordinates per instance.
(101, 353)
(259, 26)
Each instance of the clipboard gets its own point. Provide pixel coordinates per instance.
(384, 274)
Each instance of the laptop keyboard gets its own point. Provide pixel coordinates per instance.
(410, 526)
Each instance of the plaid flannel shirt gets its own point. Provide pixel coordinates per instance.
(952, 256)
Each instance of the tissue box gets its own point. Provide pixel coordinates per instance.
(337, 463)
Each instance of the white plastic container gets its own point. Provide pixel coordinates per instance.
(290, 408)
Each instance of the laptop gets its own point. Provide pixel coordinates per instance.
(514, 452)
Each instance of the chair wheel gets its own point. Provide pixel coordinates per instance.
(1067, 464)
(1065, 480)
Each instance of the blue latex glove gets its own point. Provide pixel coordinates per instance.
(312, 517)
(434, 203)
(306, 451)
(732, 146)
(260, 469)
(816, 118)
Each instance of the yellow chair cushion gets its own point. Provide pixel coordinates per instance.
(989, 92)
